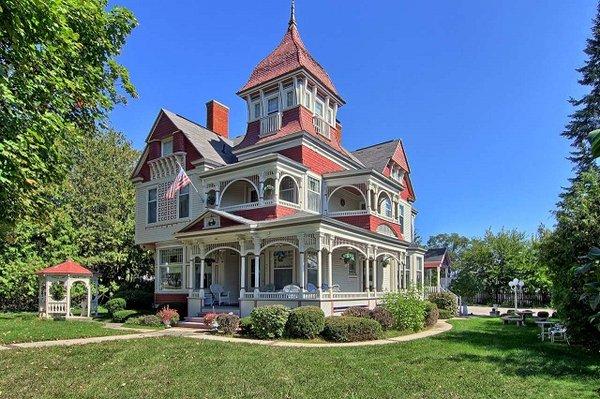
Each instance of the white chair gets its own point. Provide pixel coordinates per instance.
(219, 294)
(558, 333)
(291, 288)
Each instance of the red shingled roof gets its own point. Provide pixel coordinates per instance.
(67, 267)
(290, 55)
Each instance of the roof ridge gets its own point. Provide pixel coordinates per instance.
(374, 145)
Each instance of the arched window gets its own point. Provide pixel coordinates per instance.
(385, 205)
(288, 190)
(386, 230)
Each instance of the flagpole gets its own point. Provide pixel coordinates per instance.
(188, 176)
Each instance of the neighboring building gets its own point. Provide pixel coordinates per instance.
(437, 268)
(286, 205)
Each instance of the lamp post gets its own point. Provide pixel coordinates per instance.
(516, 285)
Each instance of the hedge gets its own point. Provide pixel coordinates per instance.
(121, 316)
(305, 322)
(445, 301)
(269, 321)
(350, 329)
(432, 314)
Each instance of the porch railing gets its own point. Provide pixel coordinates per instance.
(57, 307)
(349, 213)
(311, 295)
(321, 126)
(246, 205)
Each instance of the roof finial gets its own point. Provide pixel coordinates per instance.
(293, 14)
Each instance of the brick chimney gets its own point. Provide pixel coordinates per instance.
(217, 118)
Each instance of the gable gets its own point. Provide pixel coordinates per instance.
(213, 219)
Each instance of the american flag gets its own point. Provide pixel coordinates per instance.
(180, 181)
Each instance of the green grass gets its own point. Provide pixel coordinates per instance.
(28, 327)
(479, 358)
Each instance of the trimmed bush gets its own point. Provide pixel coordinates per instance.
(269, 321)
(445, 301)
(115, 305)
(543, 314)
(228, 323)
(150, 320)
(432, 313)
(120, 316)
(445, 314)
(350, 329)
(407, 308)
(246, 326)
(383, 317)
(356, 311)
(305, 322)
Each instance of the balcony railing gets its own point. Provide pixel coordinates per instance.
(321, 127)
(348, 213)
(270, 124)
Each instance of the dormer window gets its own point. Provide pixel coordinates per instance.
(272, 105)
(319, 108)
(166, 147)
(308, 100)
(289, 98)
(330, 116)
(256, 110)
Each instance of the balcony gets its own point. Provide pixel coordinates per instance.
(321, 127)
(270, 124)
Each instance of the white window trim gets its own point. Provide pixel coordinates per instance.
(267, 99)
(162, 146)
(189, 203)
(253, 117)
(286, 91)
(148, 189)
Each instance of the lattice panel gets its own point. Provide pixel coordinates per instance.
(289, 239)
(167, 208)
(338, 241)
(235, 245)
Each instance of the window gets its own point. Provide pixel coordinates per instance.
(170, 274)
(208, 272)
(287, 190)
(166, 147)
(251, 195)
(283, 262)
(312, 268)
(272, 105)
(401, 217)
(184, 202)
(152, 205)
(419, 271)
(308, 100)
(319, 108)
(385, 206)
(314, 194)
(289, 99)
(256, 109)
(252, 271)
(386, 230)
(330, 116)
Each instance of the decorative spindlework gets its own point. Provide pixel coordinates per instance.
(292, 240)
(212, 247)
(167, 208)
(339, 242)
(166, 166)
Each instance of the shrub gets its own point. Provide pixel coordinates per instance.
(445, 314)
(246, 326)
(432, 313)
(305, 322)
(269, 321)
(407, 308)
(445, 301)
(383, 317)
(356, 311)
(209, 318)
(350, 329)
(121, 316)
(543, 314)
(115, 305)
(168, 315)
(137, 298)
(228, 322)
(150, 320)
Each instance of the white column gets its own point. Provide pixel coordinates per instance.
(439, 276)
(202, 263)
(47, 295)
(301, 271)
(330, 272)
(190, 277)
(89, 299)
(242, 275)
(320, 270)
(374, 274)
(368, 274)
(256, 274)
(68, 284)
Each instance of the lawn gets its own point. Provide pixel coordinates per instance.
(27, 327)
(479, 358)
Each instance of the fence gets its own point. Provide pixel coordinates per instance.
(525, 299)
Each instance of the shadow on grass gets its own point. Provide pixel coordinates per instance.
(518, 350)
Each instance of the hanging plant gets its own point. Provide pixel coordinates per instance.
(279, 255)
(209, 261)
(385, 262)
(349, 258)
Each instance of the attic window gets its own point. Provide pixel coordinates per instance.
(166, 147)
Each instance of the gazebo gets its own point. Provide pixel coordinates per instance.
(65, 274)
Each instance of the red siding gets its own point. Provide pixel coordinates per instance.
(169, 298)
(217, 118)
(370, 222)
(266, 213)
(311, 159)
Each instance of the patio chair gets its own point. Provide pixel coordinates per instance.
(558, 333)
(334, 287)
(311, 287)
(219, 294)
(291, 288)
(208, 299)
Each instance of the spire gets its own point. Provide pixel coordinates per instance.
(293, 14)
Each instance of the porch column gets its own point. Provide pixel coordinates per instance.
(330, 272)
(439, 275)
(190, 277)
(202, 262)
(319, 271)
(256, 274)
(367, 274)
(374, 261)
(301, 274)
(242, 275)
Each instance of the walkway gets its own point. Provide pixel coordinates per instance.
(439, 328)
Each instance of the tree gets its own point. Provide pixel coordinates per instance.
(58, 81)
(594, 139)
(590, 273)
(455, 243)
(585, 118)
(577, 230)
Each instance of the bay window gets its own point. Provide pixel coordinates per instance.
(170, 268)
(401, 217)
(314, 194)
(272, 105)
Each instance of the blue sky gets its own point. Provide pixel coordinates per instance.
(476, 90)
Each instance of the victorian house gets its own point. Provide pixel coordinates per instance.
(283, 214)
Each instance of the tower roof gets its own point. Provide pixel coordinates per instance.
(288, 56)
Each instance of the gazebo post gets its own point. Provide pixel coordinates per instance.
(89, 299)
(68, 310)
(47, 296)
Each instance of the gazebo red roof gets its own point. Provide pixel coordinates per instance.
(290, 55)
(67, 267)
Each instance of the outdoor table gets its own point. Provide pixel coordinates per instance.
(543, 325)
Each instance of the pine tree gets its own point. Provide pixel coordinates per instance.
(586, 117)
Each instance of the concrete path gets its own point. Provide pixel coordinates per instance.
(439, 328)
